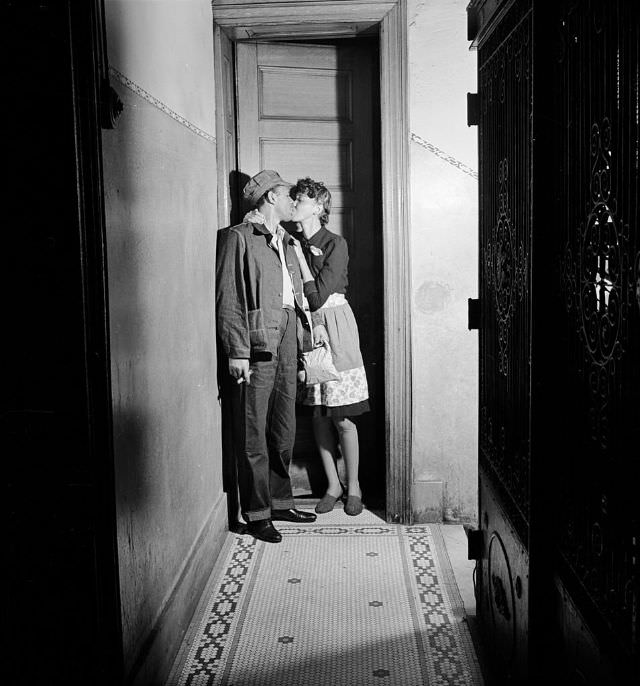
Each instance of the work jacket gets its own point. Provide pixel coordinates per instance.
(249, 291)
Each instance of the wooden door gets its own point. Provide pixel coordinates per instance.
(312, 110)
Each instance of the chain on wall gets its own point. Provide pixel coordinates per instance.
(505, 154)
(598, 87)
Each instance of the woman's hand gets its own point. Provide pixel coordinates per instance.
(320, 335)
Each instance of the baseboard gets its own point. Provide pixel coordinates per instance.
(158, 650)
(427, 501)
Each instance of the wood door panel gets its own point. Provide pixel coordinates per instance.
(328, 160)
(504, 588)
(288, 128)
(327, 94)
(290, 55)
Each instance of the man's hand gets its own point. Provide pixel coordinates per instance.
(320, 335)
(239, 370)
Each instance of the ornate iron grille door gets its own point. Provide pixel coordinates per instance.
(559, 444)
(597, 99)
(505, 92)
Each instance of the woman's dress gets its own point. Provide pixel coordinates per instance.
(328, 257)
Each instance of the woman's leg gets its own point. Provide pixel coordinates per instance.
(348, 437)
(326, 442)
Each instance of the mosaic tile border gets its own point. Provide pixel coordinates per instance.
(468, 633)
(449, 159)
(336, 530)
(139, 90)
(216, 616)
(433, 581)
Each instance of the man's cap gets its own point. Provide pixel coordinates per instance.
(262, 182)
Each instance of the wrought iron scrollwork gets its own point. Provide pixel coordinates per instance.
(594, 266)
(597, 85)
(506, 268)
(637, 279)
(505, 91)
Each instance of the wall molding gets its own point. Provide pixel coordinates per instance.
(139, 90)
(449, 159)
(396, 238)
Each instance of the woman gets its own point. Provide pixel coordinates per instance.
(323, 258)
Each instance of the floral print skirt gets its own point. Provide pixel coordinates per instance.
(349, 395)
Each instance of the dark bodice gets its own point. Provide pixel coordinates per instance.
(328, 257)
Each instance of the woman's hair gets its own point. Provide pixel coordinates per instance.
(319, 192)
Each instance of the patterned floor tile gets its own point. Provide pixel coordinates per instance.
(344, 601)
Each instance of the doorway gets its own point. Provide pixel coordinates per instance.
(385, 21)
(312, 109)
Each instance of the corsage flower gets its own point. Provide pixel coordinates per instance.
(315, 251)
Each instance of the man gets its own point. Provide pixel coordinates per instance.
(261, 325)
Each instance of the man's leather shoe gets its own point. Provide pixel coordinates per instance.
(264, 530)
(291, 515)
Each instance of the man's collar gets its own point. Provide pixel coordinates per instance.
(259, 222)
(260, 228)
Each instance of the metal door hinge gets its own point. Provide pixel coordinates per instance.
(473, 23)
(473, 109)
(473, 313)
(475, 544)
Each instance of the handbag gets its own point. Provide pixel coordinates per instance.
(318, 365)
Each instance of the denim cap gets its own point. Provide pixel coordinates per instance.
(262, 182)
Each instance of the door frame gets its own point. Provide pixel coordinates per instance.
(331, 19)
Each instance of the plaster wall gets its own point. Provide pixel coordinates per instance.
(160, 189)
(444, 261)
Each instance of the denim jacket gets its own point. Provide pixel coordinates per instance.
(249, 291)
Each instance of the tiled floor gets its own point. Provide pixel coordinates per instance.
(455, 541)
(343, 601)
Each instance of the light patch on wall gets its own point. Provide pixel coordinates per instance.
(432, 297)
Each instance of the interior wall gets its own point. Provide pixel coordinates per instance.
(160, 189)
(444, 242)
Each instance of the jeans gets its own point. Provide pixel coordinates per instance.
(266, 425)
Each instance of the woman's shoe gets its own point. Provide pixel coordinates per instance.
(327, 503)
(354, 505)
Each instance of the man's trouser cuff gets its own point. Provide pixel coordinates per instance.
(257, 515)
(287, 504)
